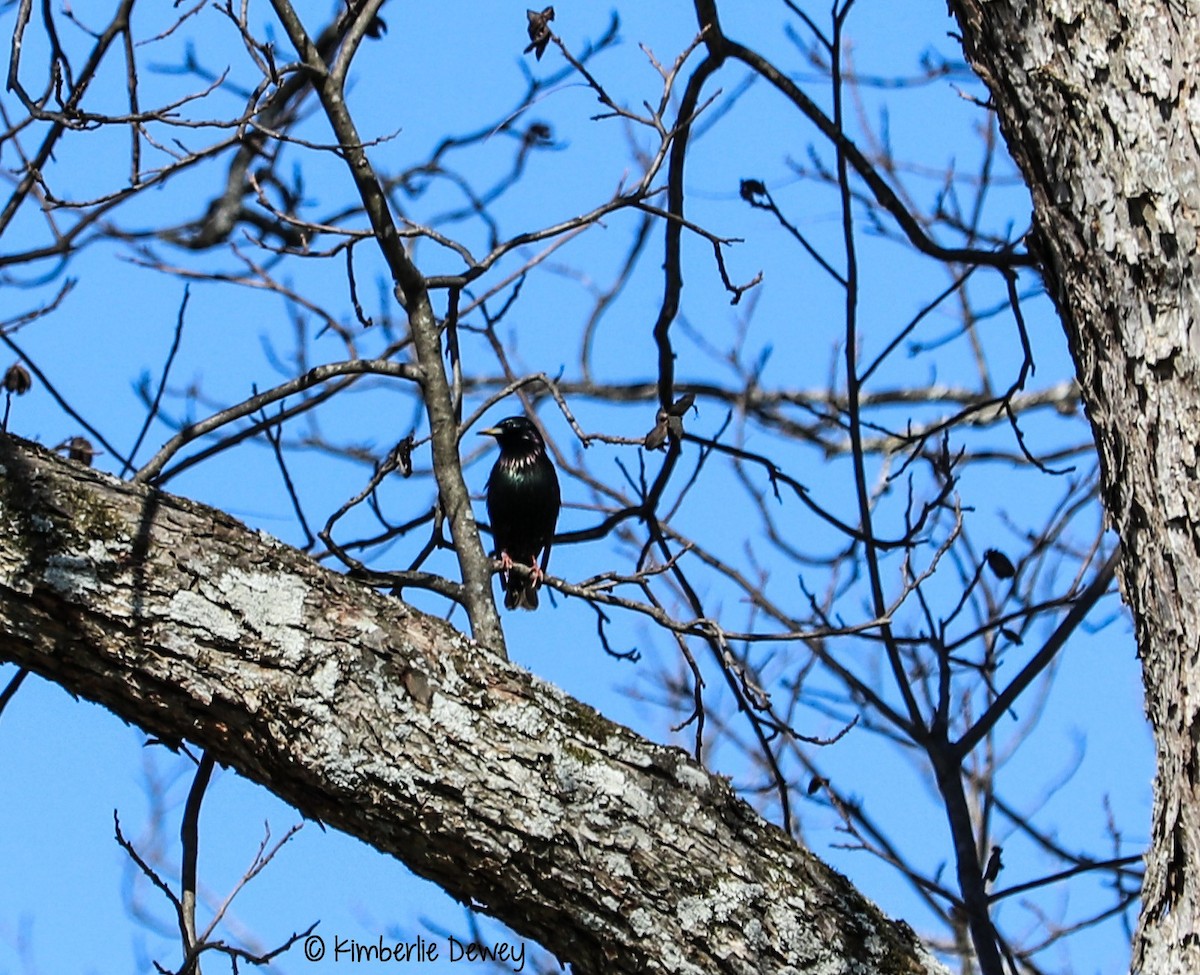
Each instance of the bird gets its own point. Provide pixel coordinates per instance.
(522, 503)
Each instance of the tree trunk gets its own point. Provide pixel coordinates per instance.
(1096, 102)
(616, 854)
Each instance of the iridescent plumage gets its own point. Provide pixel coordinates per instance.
(522, 501)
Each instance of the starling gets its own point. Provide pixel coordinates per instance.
(522, 504)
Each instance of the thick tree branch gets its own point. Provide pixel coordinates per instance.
(1093, 101)
(616, 854)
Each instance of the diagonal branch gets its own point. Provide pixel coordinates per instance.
(412, 292)
(617, 854)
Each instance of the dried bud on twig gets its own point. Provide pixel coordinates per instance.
(994, 865)
(79, 449)
(657, 437)
(751, 189)
(999, 563)
(403, 453)
(669, 422)
(17, 380)
(539, 31)
(538, 134)
(683, 404)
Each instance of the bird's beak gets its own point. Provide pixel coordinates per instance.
(490, 432)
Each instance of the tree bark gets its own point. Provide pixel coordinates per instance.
(616, 854)
(1098, 104)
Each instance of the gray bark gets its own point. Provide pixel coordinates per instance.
(616, 854)
(1097, 101)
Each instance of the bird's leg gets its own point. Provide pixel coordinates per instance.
(506, 564)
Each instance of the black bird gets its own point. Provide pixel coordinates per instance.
(522, 503)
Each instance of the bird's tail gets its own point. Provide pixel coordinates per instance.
(520, 591)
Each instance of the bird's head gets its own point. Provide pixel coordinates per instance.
(516, 436)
